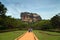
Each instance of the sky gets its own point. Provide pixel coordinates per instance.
(45, 8)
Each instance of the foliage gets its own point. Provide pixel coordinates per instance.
(3, 9)
(43, 24)
(55, 21)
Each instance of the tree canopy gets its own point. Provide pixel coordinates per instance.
(3, 9)
(55, 20)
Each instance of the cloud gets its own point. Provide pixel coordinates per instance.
(42, 7)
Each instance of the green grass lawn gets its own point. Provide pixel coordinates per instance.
(42, 35)
(11, 35)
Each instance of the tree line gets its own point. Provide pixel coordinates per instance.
(7, 22)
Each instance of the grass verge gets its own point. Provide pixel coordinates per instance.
(11, 35)
(44, 35)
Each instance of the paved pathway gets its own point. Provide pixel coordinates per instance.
(28, 36)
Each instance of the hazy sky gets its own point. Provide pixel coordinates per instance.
(45, 8)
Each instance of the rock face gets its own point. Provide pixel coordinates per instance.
(30, 17)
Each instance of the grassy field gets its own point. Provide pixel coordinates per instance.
(42, 35)
(45, 35)
(11, 35)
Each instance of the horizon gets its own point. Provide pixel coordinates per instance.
(45, 8)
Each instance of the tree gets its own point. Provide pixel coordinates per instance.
(3, 9)
(43, 24)
(55, 20)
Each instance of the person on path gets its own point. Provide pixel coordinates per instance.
(30, 30)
